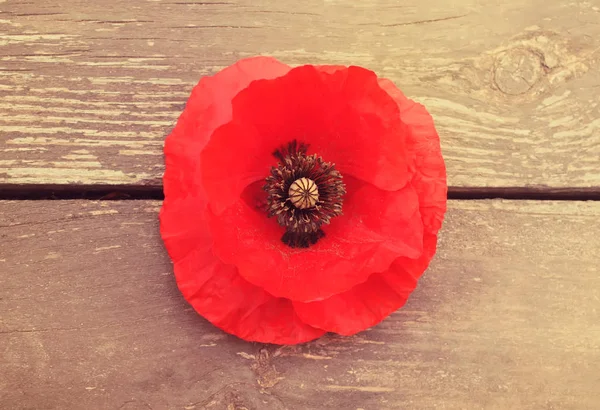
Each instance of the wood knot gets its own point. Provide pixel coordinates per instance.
(516, 71)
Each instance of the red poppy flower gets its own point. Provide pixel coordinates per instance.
(300, 201)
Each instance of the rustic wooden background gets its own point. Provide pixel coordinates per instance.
(507, 317)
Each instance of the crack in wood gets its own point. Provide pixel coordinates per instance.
(411, 23)
(155, 192)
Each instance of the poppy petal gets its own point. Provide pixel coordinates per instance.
(424, 142)
(383, 293)
(345, 117)
(330, 69)
(377, 227)
(209, 106)
(223, 297)
(370, 302)
(183, 225)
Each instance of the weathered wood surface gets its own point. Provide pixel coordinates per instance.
(507, 317)
(89, 89)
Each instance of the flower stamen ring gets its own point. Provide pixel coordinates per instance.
(303, 192)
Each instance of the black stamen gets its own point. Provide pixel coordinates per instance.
(301, 240)
(304, 193)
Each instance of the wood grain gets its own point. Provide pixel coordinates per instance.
(89, 90)
(507, 317)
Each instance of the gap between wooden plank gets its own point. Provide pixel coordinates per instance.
(140, 192)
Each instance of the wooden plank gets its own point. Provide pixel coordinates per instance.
(89, 90)
(507, 317)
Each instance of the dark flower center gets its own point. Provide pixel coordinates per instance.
(303, 193)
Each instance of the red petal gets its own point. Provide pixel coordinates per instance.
(377, 227)
(218, 293)
(216, 290)
(330, 69)
(183, 225)
(369, 303)
(209, 106)
(345, 117)
(423, 141)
